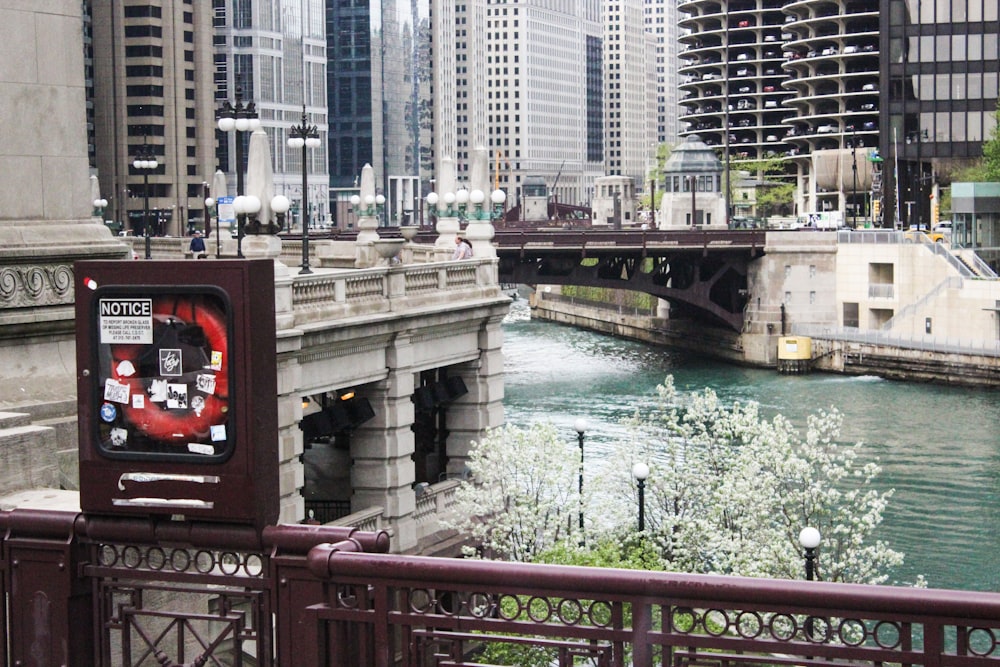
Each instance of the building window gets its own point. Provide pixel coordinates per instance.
(851, 315)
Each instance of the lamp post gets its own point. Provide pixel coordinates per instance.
(854, 168)
(432, 202)
(240, 118)
(145, 161)
(809, 539)
(580, 426)
(209, 211)
(304, 136)
(641, 472)
(692, 183)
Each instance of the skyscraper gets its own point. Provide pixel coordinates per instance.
(662, 19)
(832, 84)
(544, 94)
(152, 73)
(273, 53)
(379, 88)
(630, 90)
(940, 67)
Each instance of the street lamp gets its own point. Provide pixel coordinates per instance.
(145, 161)
(280, 206)
(580, 426)
(641, 472)
(304, 136)
(246, 206)
(373, 204)
(432, 200)
(854, 168)
(209, 211)
(498, 197)
(809, 539)
(462, 199)
(240, 118)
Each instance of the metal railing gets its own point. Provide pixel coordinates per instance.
(620, 309)
(927, 343)
(966, 261)
(414, 611)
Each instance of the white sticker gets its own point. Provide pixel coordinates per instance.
(196, 448)
(115, 391)
(125, 369)
(138, 401)
(205, 383)
(177, 396)
(158, 391)
(119, 437)
(218, 432)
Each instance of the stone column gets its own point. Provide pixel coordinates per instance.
(382, 448)
(448, 225)
(479, 230)
(291, 474)
(482, 408)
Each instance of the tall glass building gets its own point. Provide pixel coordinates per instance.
(942, 70)
(379, 90)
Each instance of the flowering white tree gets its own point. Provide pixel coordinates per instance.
(521, 497)
(728, 492)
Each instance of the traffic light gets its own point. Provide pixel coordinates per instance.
(876, 207)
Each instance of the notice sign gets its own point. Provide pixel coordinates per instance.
(126, 321)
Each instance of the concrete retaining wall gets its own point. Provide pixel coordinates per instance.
(761, 350)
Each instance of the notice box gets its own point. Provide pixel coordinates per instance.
(177, 388)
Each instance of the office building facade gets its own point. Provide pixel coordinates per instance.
(544, 95)
(630, 91)
(940, 70)
(273, 53)
(662, 19)
(151, 91)
(379, 80)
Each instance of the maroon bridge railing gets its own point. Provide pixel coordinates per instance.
(393, 610)
(82, 590)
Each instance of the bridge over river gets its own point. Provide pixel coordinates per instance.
(702, 270)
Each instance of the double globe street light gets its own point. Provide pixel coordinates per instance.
(239, 118)
(145, 162)
(304, 136)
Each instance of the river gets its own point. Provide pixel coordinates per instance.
(939, 446)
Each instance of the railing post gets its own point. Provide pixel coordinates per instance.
(295, 588)
(642, 623)
(51, 614)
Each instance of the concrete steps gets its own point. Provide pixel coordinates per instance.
(28, 458)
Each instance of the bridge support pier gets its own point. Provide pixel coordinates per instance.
(482, 407)
(382, 448)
